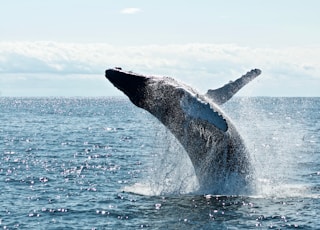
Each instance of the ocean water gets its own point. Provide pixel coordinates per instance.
(102, 163)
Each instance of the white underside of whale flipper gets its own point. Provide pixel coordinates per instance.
(197, 109)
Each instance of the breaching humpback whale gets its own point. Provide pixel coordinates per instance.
(216, 150)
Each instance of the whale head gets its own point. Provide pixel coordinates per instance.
(142, 90)
(132, 85)
(165, 98)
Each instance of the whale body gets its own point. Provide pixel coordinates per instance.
(219, 156)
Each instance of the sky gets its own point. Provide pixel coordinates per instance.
(62, 48)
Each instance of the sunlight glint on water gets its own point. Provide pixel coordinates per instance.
(64, 163)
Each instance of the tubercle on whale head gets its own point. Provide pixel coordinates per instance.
(132, 85)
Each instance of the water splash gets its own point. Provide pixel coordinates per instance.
(173, 168)
(276, 142)
(171, 171)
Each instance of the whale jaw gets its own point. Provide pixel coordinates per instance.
(132, 85)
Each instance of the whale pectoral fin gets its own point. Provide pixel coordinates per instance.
(223, 94)
(197, 109)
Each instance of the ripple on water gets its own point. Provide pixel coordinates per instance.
(78, 162)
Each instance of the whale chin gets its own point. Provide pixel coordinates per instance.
(131, 85)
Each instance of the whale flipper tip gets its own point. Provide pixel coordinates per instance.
(223, 94)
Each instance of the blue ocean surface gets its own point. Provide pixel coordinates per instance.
(102, 163)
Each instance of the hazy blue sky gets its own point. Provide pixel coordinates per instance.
(62, 48)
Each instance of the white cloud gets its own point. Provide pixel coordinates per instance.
(200, 65)
(130, 10)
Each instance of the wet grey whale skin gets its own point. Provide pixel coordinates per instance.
(217, 151)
